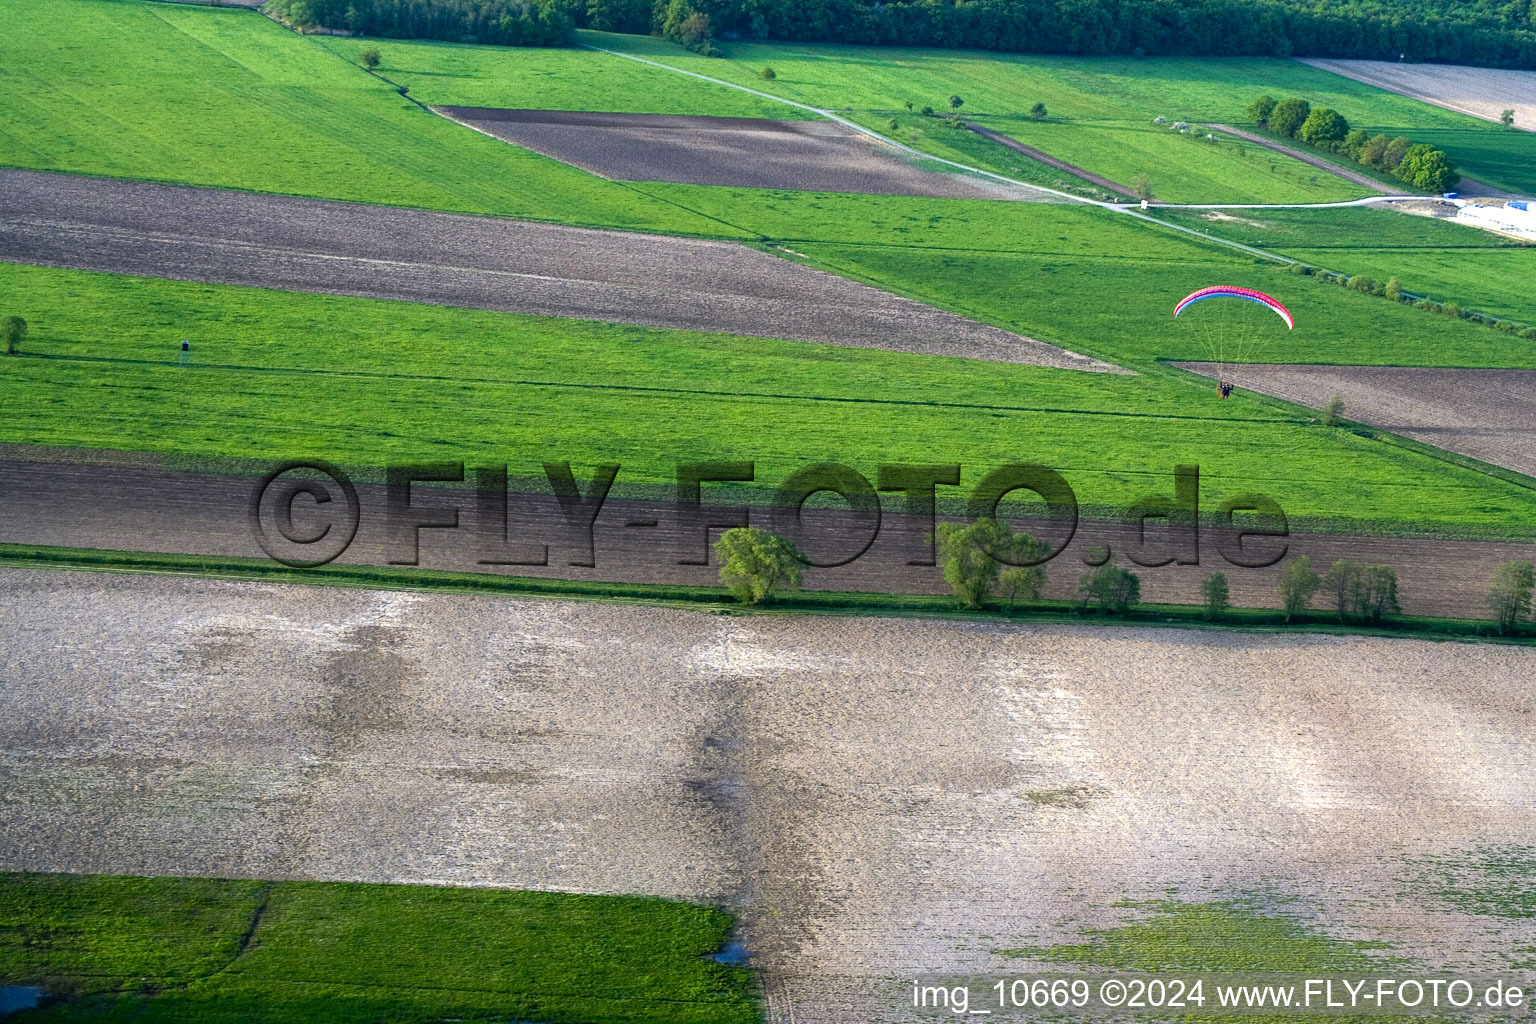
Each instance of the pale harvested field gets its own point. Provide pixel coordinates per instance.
(857, 790)
(1487, 414)
(813, 156)
(1480, 92)
(382, 252)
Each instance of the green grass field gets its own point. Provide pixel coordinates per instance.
(208, 950)
(1437, 258)
(527, 389)
(173, 92)
(1113, 100)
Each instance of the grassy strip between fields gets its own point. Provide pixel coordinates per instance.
(717, 601)
(105, 947)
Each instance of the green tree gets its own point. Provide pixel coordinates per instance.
(1366, 593)
(1112, 589)
(1259, 110)
(1289, 115)
(1021, 582)
(371, 58)
(1334, 410)
(927, 111)
(1394, 289)
(767, 74)
(1297, 585)
(1509, 593)
(955, 103)
(1427, 168)
(1143, 187)
(893, 124)
(14, 330)
(1374, 152)
(1395, 151)
(1037, 112)
(1507, 117)
(754, 563)
(1217, 596)
(1323, 126)
(1354, 143)
(965, 552)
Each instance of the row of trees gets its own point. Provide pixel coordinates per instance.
(975, 557)
(1393, 289)
(1488, 34)
(1419, 165)
(499, 22)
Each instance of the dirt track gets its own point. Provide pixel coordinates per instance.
(813, 156)
(381, 252)
(1047, 159)
(1481, 92)
(874, 798)
(122, 501)
(1487, 414)
(1310, 160)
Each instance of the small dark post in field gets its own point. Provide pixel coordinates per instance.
(1218, 596)
(14, 330)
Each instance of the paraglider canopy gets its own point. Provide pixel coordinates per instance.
(1232, 333)
(1228, 292)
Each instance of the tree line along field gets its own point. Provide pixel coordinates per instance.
(210, 950)
(1111, 95)
(411, 383)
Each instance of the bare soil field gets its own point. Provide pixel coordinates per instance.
(812, 156)
(1487, 414)
(871, 797)
(381, 252)
(138, 502)
(1480, 92)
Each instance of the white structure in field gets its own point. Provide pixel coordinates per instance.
(1513, 218)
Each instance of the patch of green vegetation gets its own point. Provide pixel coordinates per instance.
(171, 949)
(1345, 228)
(919, 223)
(1112, 99)
(1066, 300)
(1221, 936)
(404, 382)
(206, 96)
(1488, 280)
(1430, 256)
(1497, 881)
(456, 74)
(1232, 941)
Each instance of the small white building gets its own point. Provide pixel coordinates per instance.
(1512, 218)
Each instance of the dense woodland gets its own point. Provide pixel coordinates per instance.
(1453, 31)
